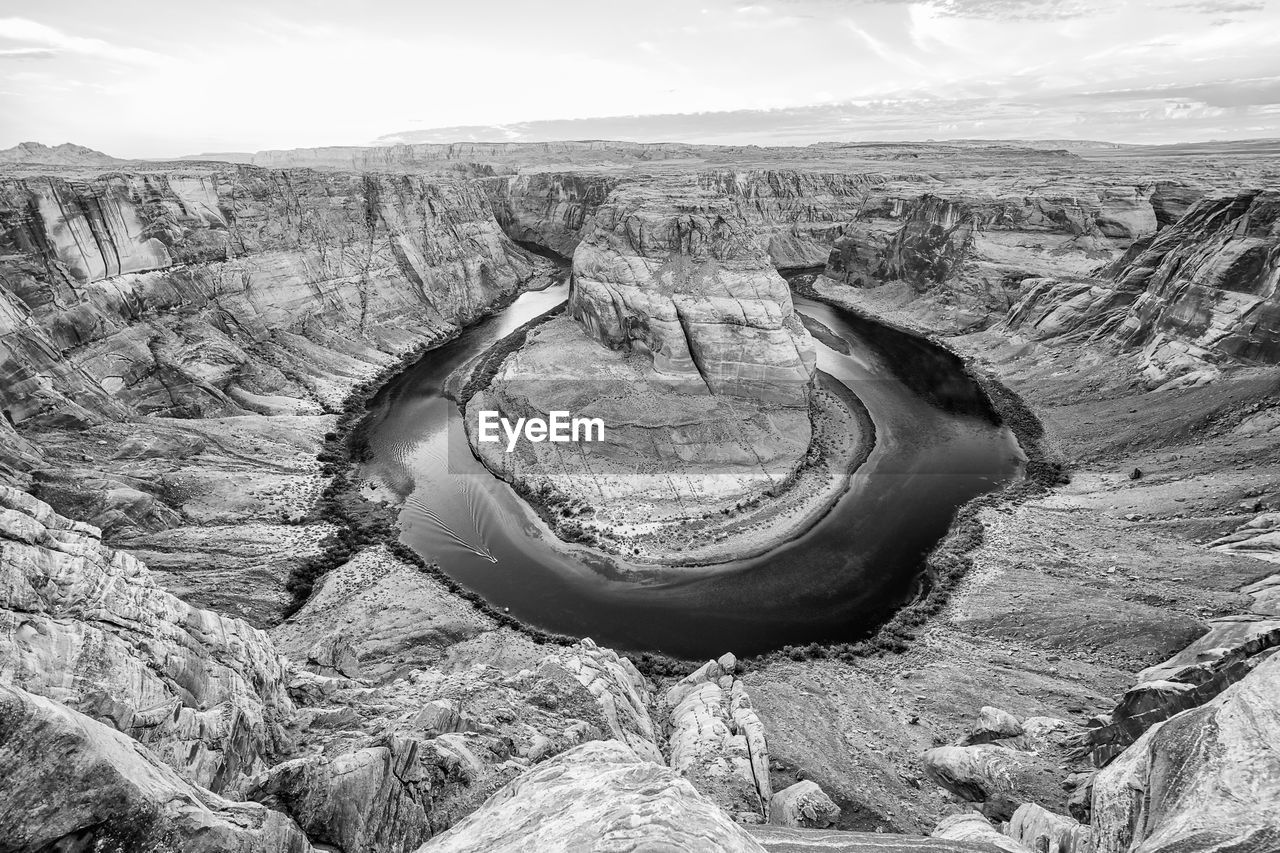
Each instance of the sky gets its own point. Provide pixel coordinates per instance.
(137, 78)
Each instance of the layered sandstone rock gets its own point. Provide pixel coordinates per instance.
(1209, 285)
(550, 209)
(1037, 828)
(140, 310)
(800, 214)
(1259, 537)
(987, 235)
(1207, 779)
(716, 445)
(715, 740)
(1200, 292)
(671, 269)
(1231, 649)
(599, 793)
(169, 286)
(90, 629)
(71, 783)
(971, 826)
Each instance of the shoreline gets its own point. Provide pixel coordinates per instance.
(951, 559)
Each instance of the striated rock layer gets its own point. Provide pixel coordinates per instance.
(89, 628)
(138, 309)
(677, 274)
(1201, 292)
(71, 783)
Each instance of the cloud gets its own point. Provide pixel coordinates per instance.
(1221, 93)
(1014, 10)
(1223, 7)
(1136, 115)
(37, 38)
(21, 53)
(1031, 10)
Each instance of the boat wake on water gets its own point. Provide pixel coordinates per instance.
(478, 549)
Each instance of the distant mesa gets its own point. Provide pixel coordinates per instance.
(66, 154)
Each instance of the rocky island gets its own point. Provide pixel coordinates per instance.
(722, 440)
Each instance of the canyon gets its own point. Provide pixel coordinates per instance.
(212, 629)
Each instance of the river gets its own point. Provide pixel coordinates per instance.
(937, 446)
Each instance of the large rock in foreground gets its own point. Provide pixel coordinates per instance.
(598, 796)
(70, 783)
(88, 627)
(1206, 780)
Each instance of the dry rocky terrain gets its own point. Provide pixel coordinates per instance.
(178, 344)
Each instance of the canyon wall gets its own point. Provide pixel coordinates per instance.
(1202, 292)
(144, 293)
(175, 344)
(549, 209)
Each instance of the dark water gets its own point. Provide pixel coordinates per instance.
(936, 448)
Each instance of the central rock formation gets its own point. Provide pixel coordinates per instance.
(686, 344)
(675, 274)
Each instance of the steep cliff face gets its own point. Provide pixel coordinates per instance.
(549, 209)
(975, 244)
(1211, 282)
(174, 345)
(673, 269)
(141, 293)
(801, 214)
(1199, 293)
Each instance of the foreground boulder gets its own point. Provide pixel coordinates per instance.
(71, 783)
(803, 804)
(89, 628)
(596, 796)
(1040, 829)
(971, 826)
(389, 766)
(392, 796)
(717, 742)
(1003, 762)
(1206, 779)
